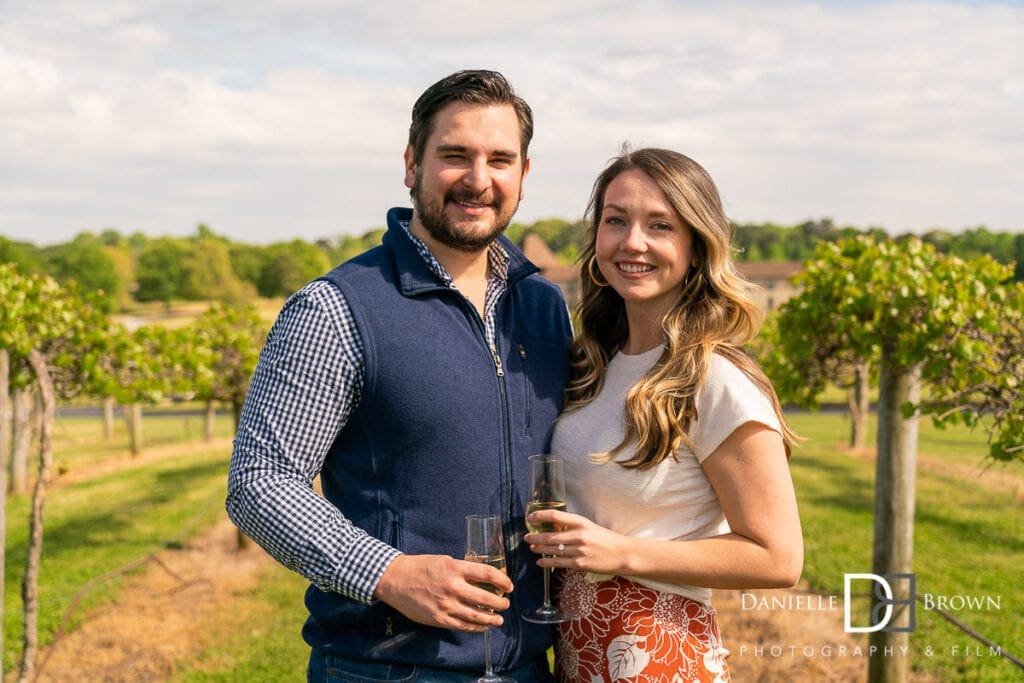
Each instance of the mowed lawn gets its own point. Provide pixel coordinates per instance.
(104, 512)
(968, 538)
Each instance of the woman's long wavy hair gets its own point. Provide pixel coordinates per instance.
(715, 314)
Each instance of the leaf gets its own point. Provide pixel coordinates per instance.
(625, 659)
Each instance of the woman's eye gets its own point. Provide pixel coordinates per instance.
(662, 226)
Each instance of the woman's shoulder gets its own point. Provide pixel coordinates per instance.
(728, 386)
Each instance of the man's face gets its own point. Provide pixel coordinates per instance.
(468, 185)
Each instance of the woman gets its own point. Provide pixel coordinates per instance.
(674, 442)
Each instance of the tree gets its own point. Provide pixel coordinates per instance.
(86, 261)
(928, 319)
(43, 326)
(23, 255)
(803, 357)
(287, 266)
(135, 368)
(228, 339)
(208, 274)
(160, 269)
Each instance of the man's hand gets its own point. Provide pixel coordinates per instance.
(438, 590)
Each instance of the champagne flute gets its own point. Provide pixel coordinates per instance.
(547, 493)
(485, 543)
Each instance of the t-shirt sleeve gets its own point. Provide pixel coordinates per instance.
(727, 400)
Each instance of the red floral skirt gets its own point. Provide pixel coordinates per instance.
(628, 632)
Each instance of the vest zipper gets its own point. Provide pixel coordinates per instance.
(502, 659)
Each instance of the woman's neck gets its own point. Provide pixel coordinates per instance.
(644, 333)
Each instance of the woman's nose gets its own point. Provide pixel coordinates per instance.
(635, 239)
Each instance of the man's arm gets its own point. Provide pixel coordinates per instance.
(306, 384)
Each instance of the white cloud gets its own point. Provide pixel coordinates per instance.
(289, 118)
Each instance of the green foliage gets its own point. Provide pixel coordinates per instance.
(60, 323)
(160, 269)
(208, 274)
(223, 347)
(85, 260)
(287, 266)
(901, 303)
(142, 366)
(349, 246)
(24, 256)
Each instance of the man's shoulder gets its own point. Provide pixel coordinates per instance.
(367, 263)
(536, 285)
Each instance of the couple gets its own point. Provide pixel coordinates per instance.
(416, 378)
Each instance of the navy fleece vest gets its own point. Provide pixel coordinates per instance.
(443, 429)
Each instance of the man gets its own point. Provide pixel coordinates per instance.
(414, 380)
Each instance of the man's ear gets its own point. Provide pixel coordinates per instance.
(410, 167)
(522, 183)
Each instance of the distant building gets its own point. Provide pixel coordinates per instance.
(566, 277)
(772, 277)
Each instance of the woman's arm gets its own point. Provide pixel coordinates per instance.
(750, 475)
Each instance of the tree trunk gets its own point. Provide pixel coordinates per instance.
(211, 420)
(30, 583)
(858, 401)
(236, 415)
(108, 418)
(894, 517)
(5, 368)
(133, 420)
(22, 443)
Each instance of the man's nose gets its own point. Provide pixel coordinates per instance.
(478, 176)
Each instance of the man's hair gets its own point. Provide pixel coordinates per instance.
(479, 87)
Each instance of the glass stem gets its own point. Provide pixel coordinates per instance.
(547, 587)
(487, 653)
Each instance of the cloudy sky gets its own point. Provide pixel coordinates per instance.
(274, 120)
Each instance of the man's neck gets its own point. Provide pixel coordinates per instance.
(469, 270)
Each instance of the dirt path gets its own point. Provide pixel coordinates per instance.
(153, 623)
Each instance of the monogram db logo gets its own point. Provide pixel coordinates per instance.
(886, 605)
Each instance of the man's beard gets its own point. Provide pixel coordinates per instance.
(441, 228)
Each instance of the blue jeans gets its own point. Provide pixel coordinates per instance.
(325, 668)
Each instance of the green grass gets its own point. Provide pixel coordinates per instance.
(258, 639)
(101, 524)
(969, 537)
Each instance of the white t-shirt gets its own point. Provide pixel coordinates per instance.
(673, 500)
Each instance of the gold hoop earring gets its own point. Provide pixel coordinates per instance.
(590, 271)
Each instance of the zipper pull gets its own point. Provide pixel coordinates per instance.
(522, 352)
(388, 627)
(497, 364)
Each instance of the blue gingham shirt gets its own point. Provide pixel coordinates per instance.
(307, 383)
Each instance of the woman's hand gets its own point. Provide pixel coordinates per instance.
(579, 544)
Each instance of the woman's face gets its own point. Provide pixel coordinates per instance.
(643, 247)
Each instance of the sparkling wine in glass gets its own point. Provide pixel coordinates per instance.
(485, 543)
(547, 492)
